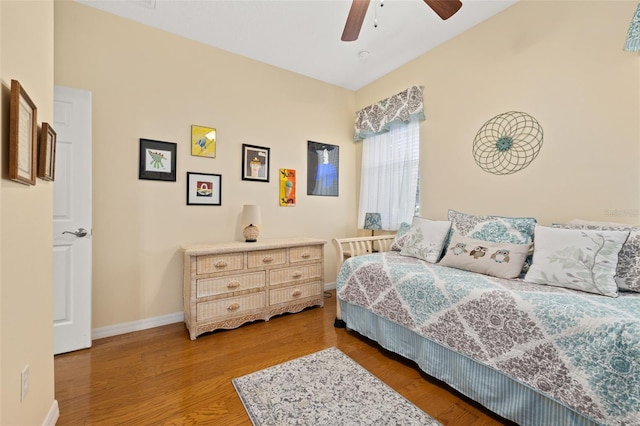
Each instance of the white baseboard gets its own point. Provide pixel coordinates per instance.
(52, 415)
(128, 327)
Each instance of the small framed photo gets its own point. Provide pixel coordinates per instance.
(23, 136)
(255, 163)
(204, 189)
(203, 141)
(47, 152)
(323, 167)
(157, 160)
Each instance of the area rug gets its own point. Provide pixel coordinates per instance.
(324, 388)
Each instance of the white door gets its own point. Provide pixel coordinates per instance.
(72, 220)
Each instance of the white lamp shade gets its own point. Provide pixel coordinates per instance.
(251, 214)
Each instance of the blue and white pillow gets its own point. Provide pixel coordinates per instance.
(401, 236)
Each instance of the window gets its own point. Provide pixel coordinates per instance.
(389, 177)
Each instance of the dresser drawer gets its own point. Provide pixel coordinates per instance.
(302, 254)
(288, 294)
(212, 286)
(295, 274)
(218, 309)
(266, 258)
(219, 262)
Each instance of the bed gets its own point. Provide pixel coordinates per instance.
(534, 354)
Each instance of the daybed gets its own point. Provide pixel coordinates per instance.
(533, 353)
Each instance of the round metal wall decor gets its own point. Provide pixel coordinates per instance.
(507, 143)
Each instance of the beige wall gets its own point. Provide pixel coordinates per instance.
(26, 332)
(150, 84)
(563, 63)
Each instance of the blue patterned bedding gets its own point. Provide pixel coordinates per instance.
(579, 349)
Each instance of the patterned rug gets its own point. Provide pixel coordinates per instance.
(324, 388)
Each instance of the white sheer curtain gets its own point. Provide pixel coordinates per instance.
(389, 176)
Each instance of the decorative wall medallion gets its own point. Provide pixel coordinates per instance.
(507, 143)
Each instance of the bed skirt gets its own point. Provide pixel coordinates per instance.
(496, 391)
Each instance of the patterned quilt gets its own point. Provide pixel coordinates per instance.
(577, 348)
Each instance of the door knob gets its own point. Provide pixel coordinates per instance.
(80, 232)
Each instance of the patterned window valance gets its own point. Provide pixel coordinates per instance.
(376, 118)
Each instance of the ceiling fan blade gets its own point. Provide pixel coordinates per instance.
(355, 19)
(444, 8)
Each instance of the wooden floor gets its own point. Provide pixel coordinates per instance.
(160, 377)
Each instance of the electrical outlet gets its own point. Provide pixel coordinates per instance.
(24, 382)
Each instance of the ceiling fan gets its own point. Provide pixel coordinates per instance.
(444, 8)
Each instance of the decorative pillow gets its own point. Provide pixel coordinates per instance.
(497, 229)
(579, 259)
(425, 239)
(628, 269)
(401, 236)
(502, 260)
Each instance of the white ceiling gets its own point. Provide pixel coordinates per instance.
(303, 36)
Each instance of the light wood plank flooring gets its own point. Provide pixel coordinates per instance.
(160, 377)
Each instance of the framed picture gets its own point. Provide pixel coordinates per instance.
(323, 161)
(255, 163)
(157, 160)
(287, 187)
(204, 189)
(203, 141)
(23, 136)
(47, 152)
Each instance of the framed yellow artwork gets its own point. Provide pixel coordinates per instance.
(203, 141)
(287, 187)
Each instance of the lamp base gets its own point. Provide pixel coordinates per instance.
(250, 234)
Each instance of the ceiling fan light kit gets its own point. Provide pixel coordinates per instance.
(445, 9)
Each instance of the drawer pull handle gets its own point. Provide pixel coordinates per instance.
(267, 259)
(296, 293)
(233, 307)
(305, 255)
(297, 274)
(233, 284)
(221, 264)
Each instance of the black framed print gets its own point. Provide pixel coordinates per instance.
(323, 166)
(204, 189)
(157, 160)
(255, 163)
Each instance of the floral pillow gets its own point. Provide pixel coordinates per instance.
(502, 260)
(579, 259)
(401, 237)
(498, 229)
(628, 269)
(425, 239)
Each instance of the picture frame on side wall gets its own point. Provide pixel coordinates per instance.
(23, 136)
(255, 163)
(203, 141)
(157, 160)
(204, 189)
(323, 169)
(47, 152)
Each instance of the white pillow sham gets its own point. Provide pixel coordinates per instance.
(425, 239)
(578, 259)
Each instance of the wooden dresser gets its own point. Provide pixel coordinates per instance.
(228, 284)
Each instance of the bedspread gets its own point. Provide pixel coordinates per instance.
(580, 349)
